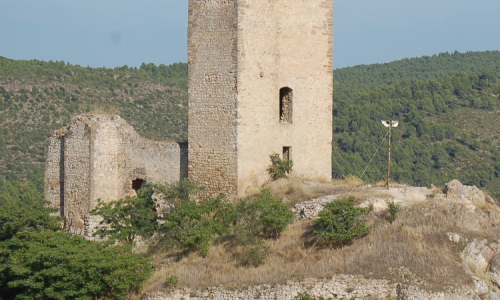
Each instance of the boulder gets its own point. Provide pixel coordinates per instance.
(495, 268)
(456, 192)
(477, 255)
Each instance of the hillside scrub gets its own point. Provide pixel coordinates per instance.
(190, 221)
(340, 222)
(415, 247)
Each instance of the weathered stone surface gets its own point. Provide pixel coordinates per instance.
(339, 287)
(495, 268)
(457, 192)
(241, 54)
(99, 157)
(453, 237)
(478, 254)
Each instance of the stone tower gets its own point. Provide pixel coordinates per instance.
(260, 82)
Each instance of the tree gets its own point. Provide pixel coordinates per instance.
(340, 221)
(128, 218)
(19, 217)
(274, 215)
(57, 265)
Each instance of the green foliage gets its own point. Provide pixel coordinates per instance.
(193, 223)
(16, 218)
(171, 281)
(393, 211)
(264, 216)
(13, 192)
(279, 168)
(189, 225)
(57, 265)
(184, 190)
(306, 296)
(441, 130)
(128, 218)
(340, 221)
(39, 261)
(254, 251)
(258, 219)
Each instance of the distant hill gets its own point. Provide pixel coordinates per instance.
(447, 105)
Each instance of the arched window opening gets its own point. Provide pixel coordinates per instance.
(286, 101)
(137, 184)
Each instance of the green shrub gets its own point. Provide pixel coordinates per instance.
(58, 265)
(393, 211)
(171, 281)
(279, 168)
(254, 251)
(306, 296)
(341, 220)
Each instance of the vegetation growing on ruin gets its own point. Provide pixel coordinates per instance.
(191, 221)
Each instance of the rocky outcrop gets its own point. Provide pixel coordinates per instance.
(456, 192)
(495, 268)
(339, 287)
(483, 265)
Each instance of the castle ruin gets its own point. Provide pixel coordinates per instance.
(260, 82)
(103, 157)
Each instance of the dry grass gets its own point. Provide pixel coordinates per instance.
(416, 240)
(293, 190)
(349, 180)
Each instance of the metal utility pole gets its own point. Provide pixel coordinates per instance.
(389, 124)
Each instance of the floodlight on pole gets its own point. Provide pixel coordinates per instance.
(390, 125)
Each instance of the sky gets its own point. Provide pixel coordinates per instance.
(111, 33)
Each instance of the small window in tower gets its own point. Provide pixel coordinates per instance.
(286, 101)
(287, 153)
(137, 184)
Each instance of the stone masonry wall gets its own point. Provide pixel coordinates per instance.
(240, 54)
(284, 44)
(212, 94)
(98, 157)
(54, 176)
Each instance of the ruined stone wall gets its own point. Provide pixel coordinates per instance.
(76, 159)
(284, 44)
(54, 175)
(98, 157)
(212, 94)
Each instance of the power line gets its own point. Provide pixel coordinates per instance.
(350, 193)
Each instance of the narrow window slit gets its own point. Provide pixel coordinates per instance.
(286, 101)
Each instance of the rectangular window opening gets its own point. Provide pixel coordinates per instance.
(287, 153)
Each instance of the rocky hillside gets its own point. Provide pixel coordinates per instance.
(444, 244)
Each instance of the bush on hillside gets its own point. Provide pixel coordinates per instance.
(340, 221)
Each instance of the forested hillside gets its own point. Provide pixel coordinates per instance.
(447, 107)
(446, 104)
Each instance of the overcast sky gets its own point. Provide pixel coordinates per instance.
(114, 33)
